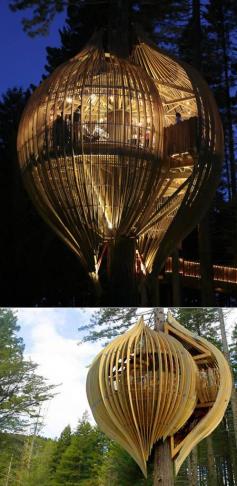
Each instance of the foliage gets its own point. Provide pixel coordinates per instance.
(93, 14)
(233, 352)
(63, 442)
(22, 391)
(43, 14)
(110, 321)
(85, 18)
(203, 321)
(118, 468)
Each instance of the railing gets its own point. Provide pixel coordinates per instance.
(192, 269)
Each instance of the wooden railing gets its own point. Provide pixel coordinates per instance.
(192, 269)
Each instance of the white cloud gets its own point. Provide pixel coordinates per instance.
(61, 360)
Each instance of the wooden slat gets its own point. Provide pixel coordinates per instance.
(94, 158)
(145, 386)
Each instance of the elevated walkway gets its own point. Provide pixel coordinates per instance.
(190, 269)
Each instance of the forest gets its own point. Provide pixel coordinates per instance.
(85, 456)
(201, 33)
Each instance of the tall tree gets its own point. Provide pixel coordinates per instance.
(227, 355)
(21, 389)
(221, 27)
(81, 460)
(63, 443)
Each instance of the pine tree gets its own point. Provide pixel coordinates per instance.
(111, 322)
(82, 458)
(63, 443)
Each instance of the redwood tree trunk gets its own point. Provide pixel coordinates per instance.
(123, 289)
(212, 476)
(233, 398)
(193, 462)
(163, 474)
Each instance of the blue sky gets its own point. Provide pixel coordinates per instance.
(23, 58)
(51, 337)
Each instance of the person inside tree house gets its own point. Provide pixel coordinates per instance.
(178, 117)
(76, 125)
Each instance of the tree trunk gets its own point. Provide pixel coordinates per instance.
(197, 34)
(163, 474)
(206, 267)
(163, 465)
(118, 28)
(212, 476)
(232, 463)
(229, 117)
(227, 355)
(122, 272)
(192, 470)
(207, 294)
(9, 472)
(153, 289)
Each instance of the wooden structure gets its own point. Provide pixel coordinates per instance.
(191, 269)
(112, 147)
(148, 385)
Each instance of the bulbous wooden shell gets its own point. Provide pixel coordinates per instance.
(147, 385)
(213, 390)
(182, 89)
(89, 143)
(141, 388)
(102, 155)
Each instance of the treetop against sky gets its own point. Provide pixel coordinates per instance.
(23, 58)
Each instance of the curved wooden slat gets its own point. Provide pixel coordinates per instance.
(141, 388)
(148, 385)
(218, 392)
(101, 154)
(158, 240)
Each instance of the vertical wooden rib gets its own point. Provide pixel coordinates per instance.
(142, 400)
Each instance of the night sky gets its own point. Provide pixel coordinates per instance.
(23, 58)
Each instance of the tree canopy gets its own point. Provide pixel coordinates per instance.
(22, 390)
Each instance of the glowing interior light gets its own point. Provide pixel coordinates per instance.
(69, 99)
(93, 98)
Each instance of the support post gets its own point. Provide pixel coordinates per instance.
(206, 267)
(175, 278)
(163, 465)
(163, 473)
(118, 27)
(122, 272)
